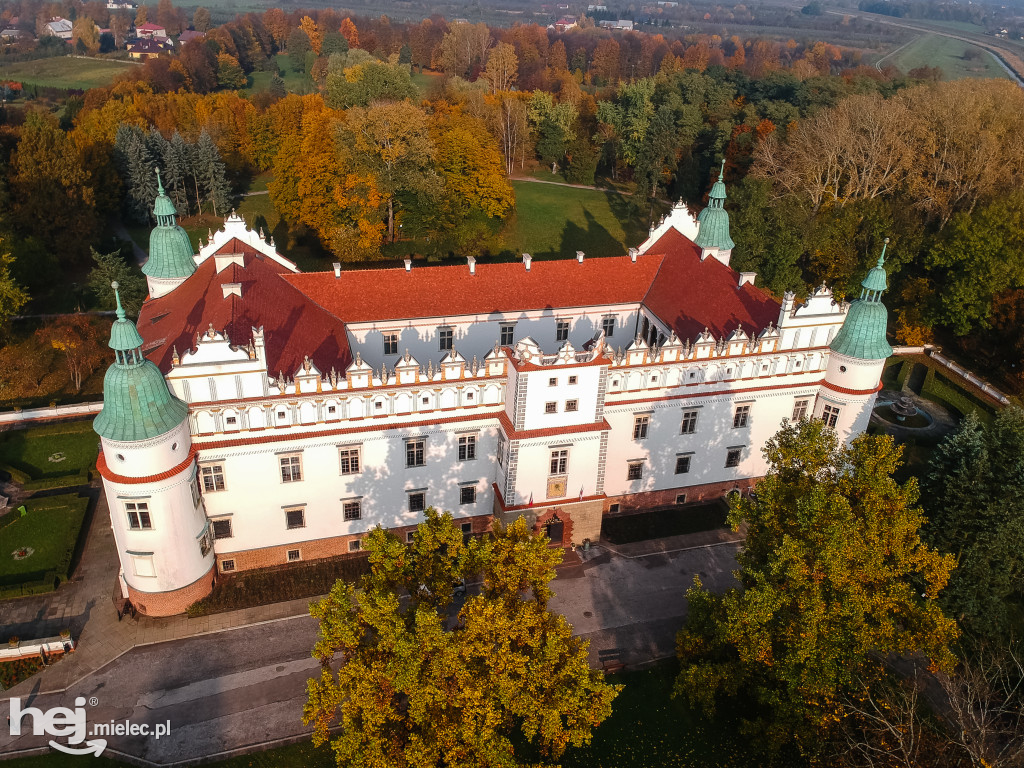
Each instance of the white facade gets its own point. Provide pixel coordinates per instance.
(520, 409)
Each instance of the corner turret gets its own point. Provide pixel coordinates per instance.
(857, 358)
(713, 236)
(171, 259)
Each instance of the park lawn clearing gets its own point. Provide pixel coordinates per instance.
(556, 221)
(65, 72)
(49, 531)
(948, 55)
(51, 456)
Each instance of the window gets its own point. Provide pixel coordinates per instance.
(390, 343)
(213, 478)
(800, 409)
(349, 460)
(830, 415)
(552, 382)
(281, 415)
(507, 334)
(205, 542)
(562, 330)
(640, 424)
(682, 464)
(295, 518)
(195, 492)
(294, 555)
(571, 406)
(573, 379)
(689, 422)
(501, 450)
(550, 407)
(680, 498)
(467, 448)
(417, 501)
(414, 452)
(138, 515)
(331, 408)
(559, 461)
(467, 532)
(741, 417)
(291, 468)
(444, 336)
(732, 458)
(231, 420)
(467, 494)
(409, 535)
(613, 509)
(608, 326)
(635, 470)
(226, 566)
(222, 529)
(143, 565)
(353, 510)
(355, 546)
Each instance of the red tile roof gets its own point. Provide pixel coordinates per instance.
(690, 295)
(293, 326)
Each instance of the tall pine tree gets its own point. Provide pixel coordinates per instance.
(212, 179)
(135, 164)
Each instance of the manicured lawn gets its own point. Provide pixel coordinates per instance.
(65, 72)
(425, 80)
(948, 55)
(557, 221)
(294, 82)
(50, 451)
(50, 529)
(659, 523)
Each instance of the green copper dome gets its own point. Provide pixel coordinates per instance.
(137, 405)
(714, 220)
(170, 251)
(863, 333)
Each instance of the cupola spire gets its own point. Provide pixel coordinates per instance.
(863, 333)
(171, 258)
(714, 219)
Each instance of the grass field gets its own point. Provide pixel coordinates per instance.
(50, 529)
(65, 72)
(44, 453)
(948, 55)
(647, 729)
(294, 82)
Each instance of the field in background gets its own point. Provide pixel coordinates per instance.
(947, 54)
(65, 72)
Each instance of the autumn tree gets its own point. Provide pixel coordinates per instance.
(391, 142)
(85, 31)
(464, 47)
(77, 338)
(349, 32)
(298, 47)
(229, 72)
(201, 19)
(414, 688)
(502, 67)
(313, 32)
(360, 84)
(604, 66)
(12, 296)
(833, 575)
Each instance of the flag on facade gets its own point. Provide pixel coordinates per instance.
(531, 501)
(581, 493)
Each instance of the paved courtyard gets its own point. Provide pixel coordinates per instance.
(232, 689)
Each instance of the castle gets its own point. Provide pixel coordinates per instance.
(256, 415)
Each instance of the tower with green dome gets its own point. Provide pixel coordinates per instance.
(713, 235)
(149, 472)
(857, 358)
(171, 259)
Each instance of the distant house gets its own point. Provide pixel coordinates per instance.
(121, 5)
(621, 24)
(668, 3)
(189, 35)
(150, 31)
(565, 23)
(58, 27)
(592, 8)
(148, 49)
(10, 33)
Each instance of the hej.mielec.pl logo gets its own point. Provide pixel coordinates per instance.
(61, 722)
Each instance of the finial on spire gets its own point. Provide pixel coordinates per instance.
(159, 184)
(881, 259)
(721, 171)
(117, 299)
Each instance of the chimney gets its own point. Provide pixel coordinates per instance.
(337, 270)
(527, 258)
(633, 254)
(408, 264)
(747, 277)
(472, 264)
(579, 256)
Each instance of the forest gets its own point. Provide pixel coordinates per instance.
(367, 159)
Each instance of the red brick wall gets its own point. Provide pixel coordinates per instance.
(639, 502)
(316, 549)
(171, 603)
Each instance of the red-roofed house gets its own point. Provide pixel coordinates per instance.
(149, 30)
(320, 405)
